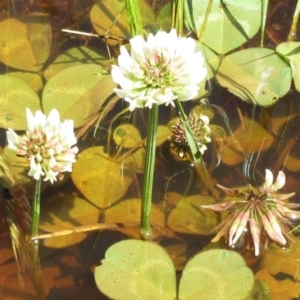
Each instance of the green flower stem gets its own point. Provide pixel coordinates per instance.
(205, 21)
(149, 173)
(36, 208)
(265, 5)
(134, 17)
(177, 16)
(293, 30)
(196, 155)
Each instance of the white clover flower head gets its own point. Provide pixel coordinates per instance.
(47, 144)
(159, 70)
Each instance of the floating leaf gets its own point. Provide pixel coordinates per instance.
(15, 96)
(78, 92)
(230, 24)
(249, 137)
(134, 270)
(76, 56)
(20, 42)
(63, 212)
(216, 274)
(189, 217)
(109, 18)
(291, 50)
(256, 75)
(101, 179)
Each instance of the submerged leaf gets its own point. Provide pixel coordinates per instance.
(135, 270)
(78, 92)
(230, 24)
(216, 274)
(21, 43)
(109, 19)
(189, 217)
(65, 211)
(256, 75)
(15, 96)
(76, 56)
(99, 178)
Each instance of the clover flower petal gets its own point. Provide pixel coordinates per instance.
(159, 70)
(262, 210)
(47, 145)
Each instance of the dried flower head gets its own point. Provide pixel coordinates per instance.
(159, 70)
(262, 211)
(200, 128)
(47, 144)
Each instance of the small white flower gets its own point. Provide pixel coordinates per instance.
(47, 144)
(159, 70)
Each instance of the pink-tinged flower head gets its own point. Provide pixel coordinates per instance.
(159, 70)
(260, 213)
(47, 144)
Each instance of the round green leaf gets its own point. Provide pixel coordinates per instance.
(134, 269)
(256, 75)
(78, 92)
(189, 217)
(216, 274)
(76, 56)
(33, 79)
(15, 96)
(230, 23)
(291, 50)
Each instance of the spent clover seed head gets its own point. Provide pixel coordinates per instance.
(262, 214)
(159, 70)
(47, 144)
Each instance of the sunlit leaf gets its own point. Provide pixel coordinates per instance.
(230, 24)
(216, 274)
(164, 17)
(25, 46)
(101, 179)
(109, 18)
(189, 217)
(15, 96)
(291, 50)
(65, 211)
(249, 137)
(134, 270)
(163, 133)
(78, 92)
(76, 56)
(256, 75)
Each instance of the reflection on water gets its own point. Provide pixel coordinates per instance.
(105, 186)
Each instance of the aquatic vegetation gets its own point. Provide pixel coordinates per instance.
(143, 270)
(263, 212)
(159, 70)
(47, 144)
